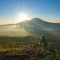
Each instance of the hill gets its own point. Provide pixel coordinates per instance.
(34, 26)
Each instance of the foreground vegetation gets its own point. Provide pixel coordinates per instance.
(27, 48)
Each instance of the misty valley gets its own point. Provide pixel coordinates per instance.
(22, 41)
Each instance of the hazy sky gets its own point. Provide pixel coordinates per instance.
(48, 10)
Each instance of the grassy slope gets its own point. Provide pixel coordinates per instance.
(24, 45)
(14, 33)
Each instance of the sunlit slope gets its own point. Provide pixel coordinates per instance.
(9, 42)
(14, 33)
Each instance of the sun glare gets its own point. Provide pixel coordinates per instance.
(23, 16)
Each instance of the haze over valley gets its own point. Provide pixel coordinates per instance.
(34, 26)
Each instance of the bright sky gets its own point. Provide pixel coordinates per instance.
(48, 10)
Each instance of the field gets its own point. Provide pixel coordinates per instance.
(27, 48)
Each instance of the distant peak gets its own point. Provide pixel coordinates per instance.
(35, 18)
(38, 19)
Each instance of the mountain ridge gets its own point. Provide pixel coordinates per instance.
(35, 26)
(33, 19)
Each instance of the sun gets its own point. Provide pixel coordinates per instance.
(23, 16)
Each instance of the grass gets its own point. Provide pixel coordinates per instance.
(26, 48)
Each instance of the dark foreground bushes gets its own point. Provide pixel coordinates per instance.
(31, 53)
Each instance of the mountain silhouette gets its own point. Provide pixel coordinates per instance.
(37, 27)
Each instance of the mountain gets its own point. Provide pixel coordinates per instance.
(34, 26)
